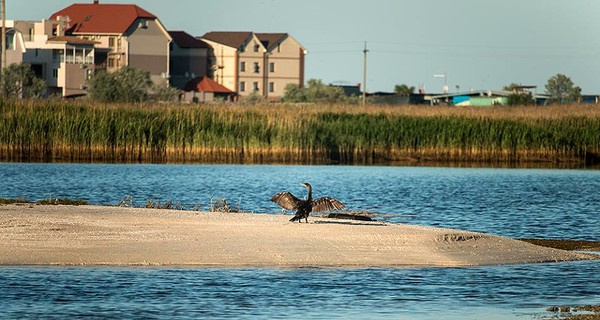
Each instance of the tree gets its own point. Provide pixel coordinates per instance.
(126, 85)
(164, 93)
(518, 96)
(403, 90)
(104, 88)
(562, 90)
(20, 81)
(255, 98)
(316, 92)
(293, 93)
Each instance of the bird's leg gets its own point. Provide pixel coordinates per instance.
(306, 218)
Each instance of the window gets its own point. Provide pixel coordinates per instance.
(256, 48)
(111, 42)
(271, 86)
(255, 86)
(242, 86)
(58, 55)
(243, 66)
(256, 67)
(278, 48)
(272, 67)
(54, 73)
(111, 62)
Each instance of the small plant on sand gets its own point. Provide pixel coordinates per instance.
(127, 202)
(13, 201)
(166, 205)
(59, 201)
(220, 205)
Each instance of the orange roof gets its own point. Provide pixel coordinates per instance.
(205, 84)
(86, 18)
(71, 40)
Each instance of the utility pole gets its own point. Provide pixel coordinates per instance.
(364, 93)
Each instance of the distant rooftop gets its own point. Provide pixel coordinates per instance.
(86, 18)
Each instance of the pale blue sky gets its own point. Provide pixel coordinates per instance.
(479, 44)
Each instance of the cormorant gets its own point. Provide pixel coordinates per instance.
(303, 208)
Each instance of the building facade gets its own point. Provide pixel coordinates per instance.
(262, 63)
(65, 63)
(124, 35)
(188, 58)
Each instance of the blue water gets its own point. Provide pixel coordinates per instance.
(511, 202)
(538, 203)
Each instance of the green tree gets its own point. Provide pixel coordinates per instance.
(20, 81)
(104, 87)
(316, 92)
(255, 98)
(562, 90)
(518, 96)
(164, 93)
(126, 85)
(403, 90)
(293, 93)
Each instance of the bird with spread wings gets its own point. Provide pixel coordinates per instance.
(303, 208)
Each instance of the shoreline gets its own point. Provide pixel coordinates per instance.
(115, 236)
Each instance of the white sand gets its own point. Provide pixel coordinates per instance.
(93, 235)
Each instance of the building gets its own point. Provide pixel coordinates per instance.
(66, 63)
(124, 34)
(204, 89)
(247, 62)
(188, 58)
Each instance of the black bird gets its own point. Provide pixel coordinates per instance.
(303, 208)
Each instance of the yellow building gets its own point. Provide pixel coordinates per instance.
(247, 62)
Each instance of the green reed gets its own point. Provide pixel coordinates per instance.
(82, 132)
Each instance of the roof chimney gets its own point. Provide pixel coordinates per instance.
(96, 1)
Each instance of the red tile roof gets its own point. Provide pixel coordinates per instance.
(233, 39)
(185, 40)
(205, 84)
(102, 18)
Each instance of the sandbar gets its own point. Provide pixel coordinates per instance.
(115, 236)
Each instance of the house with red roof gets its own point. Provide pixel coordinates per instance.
(205, 89)
(125, 35)
(248, 62)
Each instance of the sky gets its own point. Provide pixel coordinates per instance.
(476, 44)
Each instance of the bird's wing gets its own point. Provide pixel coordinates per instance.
(286, 200)
(326, 204)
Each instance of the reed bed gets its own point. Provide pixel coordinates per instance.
(71, 131)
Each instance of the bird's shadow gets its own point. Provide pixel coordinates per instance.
(353, 223)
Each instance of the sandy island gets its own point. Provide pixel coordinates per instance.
(96, 235)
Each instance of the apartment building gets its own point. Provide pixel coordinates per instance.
(247, 62)
(188, 58)
(124, 35)
(66, 63)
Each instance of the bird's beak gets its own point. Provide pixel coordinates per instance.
(304, 185)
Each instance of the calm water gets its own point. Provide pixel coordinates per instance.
(510, 202)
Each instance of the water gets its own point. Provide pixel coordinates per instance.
(510, 202)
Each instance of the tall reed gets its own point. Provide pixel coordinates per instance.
(82, 132)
